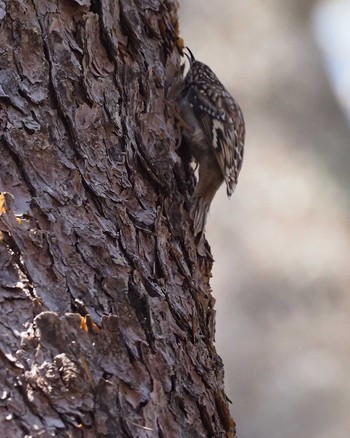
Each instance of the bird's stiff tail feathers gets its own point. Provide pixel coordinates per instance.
(199, 213)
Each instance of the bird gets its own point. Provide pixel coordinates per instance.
(214, 131)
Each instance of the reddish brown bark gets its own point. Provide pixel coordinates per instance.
(107, 321)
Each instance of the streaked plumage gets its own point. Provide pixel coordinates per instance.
(215, 133)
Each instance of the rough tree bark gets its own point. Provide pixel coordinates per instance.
(107, 320)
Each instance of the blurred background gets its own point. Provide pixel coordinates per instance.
(282, 243)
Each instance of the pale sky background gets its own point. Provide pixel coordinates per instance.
(332, 30)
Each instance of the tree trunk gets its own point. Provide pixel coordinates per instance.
(107, 321)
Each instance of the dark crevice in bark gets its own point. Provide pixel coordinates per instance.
(93, 197)
(96, 8)
(152, 288)
(181, 321)
(52, 87)
(16, 251)
(19, 163)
